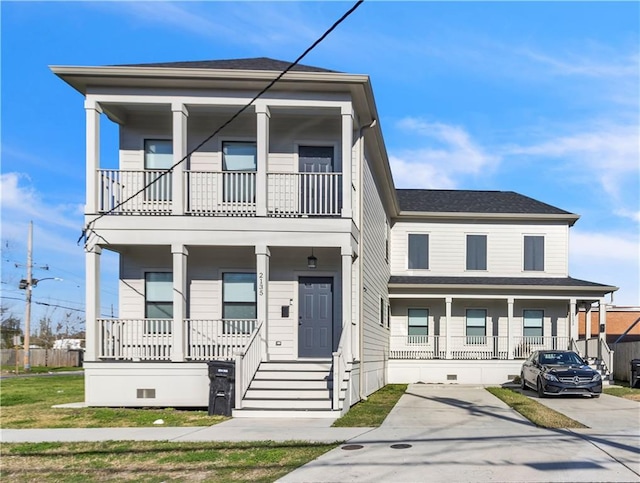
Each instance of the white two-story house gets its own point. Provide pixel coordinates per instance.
(279, 242)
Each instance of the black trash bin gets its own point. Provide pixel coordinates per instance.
(222, 381)
(634, 380)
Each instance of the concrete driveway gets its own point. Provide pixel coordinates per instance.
(463, 433)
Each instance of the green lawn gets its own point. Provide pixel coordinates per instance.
(537, 413)
(373, 411)
(155, 461)
(26, 403)
(622, 390)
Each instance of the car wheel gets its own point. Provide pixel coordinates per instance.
(523, 384)
(540, 389)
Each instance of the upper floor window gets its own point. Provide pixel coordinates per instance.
(158, 157)
(158, 298)
(534, 253)
(239, 162)
(476, 252)
(418, 251)
(239, 303)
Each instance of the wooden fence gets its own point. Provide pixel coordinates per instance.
(623, 354)
(41, 358)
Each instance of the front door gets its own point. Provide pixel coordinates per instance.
(315, 323)
(318, 193)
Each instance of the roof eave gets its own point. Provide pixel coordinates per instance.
(439, 215)
(457, 286)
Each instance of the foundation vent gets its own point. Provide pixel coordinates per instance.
(146, 393)
(452, 377)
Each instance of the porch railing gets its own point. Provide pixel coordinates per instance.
(210, 193)
(470, 347)
(208, 339)
(248, 361)
(116, 186)
(226, 192)
(306, 194)
(135, 339)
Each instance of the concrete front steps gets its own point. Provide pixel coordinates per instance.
(290, 389)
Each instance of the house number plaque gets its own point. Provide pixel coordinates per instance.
(261, 284)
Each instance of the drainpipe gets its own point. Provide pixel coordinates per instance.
(363, 396)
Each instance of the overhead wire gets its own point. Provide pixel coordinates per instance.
(88, 226)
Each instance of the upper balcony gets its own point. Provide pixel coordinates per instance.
(221, 193)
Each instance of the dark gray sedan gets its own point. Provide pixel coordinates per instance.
(558, 373)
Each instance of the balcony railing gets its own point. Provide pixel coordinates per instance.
(470, 347)
(152, 339)
(212, 193)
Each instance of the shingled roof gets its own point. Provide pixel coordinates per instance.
(465, 201)
(256, 63)
(565, 282)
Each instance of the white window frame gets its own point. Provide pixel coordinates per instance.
(428, 259)
(524, 252)
(486, 252)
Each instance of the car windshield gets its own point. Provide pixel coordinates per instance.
(560, 358)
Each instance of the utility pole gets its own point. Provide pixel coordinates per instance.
(27, 310)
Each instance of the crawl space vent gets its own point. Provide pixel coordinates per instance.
(452, 377)
(146, 393)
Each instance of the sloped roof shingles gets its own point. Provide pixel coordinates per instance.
(256, 63)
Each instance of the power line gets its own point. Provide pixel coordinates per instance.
(225, 124)
(50, 305)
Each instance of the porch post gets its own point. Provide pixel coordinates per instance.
(93, 111)
(92, 288)
(180, 114)
(262, 147)
(346, 299)
(602, 326)
(510, 302)
(180, 255)
(447, 317)
(587, 327)
(573, 323)
(347, 160)
(262, 274)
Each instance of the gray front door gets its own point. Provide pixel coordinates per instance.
(315, 323)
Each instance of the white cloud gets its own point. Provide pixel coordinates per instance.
(450, 154)
(609, 258)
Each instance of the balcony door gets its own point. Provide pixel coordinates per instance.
(319, 191)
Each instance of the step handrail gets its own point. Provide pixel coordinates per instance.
(340, 365)
(248, 361)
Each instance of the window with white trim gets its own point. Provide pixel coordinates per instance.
(418, 324)
(476, 252)
(533, 325)
(158, 299)
(239, 302)
(418, 251)
(476, 326)
(239, 163)
(534, 253)
(158, 157)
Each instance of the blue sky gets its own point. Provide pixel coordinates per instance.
(541, 98)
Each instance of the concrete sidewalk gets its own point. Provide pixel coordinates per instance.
(241, 429)
(464, 434)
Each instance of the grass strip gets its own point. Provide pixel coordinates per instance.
(537, 413)
(623, 392)
(155, 461)
(26, 403)
(374, 410)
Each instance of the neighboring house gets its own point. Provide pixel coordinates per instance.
(282, 244)
(619, 320)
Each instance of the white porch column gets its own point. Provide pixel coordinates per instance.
(573, 320)
(180, 115)
(347, 161)
(602, 325)
(93, 111)
(587, 327)
(92, 295)
(510, 302)
(263, 116)
(346, 299)
(180, 254)
(447, 318)
(262, 275)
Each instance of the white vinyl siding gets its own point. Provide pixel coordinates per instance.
(505, 254)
